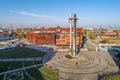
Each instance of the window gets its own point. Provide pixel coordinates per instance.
(58, 30)
(57, 36)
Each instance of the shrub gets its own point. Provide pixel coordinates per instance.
(118, 55)
(68, 56)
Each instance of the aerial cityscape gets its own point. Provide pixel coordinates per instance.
(59, 40)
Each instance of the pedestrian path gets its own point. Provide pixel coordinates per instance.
(21, 59)
(90, 63)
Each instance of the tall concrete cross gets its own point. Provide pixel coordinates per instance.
(73, 32)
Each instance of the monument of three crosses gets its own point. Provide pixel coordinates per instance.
(72, 21)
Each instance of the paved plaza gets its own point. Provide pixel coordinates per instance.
(86, 66)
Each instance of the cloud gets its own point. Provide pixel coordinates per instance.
(36, 15)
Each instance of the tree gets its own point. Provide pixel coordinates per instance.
(92, 36)
(117, 34)
(85, 32)
(23, 35)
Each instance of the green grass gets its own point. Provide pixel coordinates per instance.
(94, 41)
(5, 66)
(21, 52)
(90, 47)
(12, 65)
(52, 74)
(38, 62)
(15, 65)
(68, 56)
(34, 72)
(112, 41)
(38, 75)
(112, 77)
(28, 63)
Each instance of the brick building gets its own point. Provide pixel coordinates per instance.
(57, 36)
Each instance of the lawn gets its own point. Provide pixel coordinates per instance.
(21, 52)
(112, 77)
(94, 41)
(90, 47)
(6, 66)
(112, 41)
(49, 74)
(34, 72)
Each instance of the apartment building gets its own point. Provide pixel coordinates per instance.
(5, 36)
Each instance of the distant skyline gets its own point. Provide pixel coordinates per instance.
(51, 13)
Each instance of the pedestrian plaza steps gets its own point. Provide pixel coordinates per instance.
(85, 63)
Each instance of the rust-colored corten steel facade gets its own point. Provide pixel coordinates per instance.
(56, 36)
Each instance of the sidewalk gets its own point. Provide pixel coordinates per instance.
(20, 59)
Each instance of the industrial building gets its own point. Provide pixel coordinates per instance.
(53, 36)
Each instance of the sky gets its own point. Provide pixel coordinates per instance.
(51, 13)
